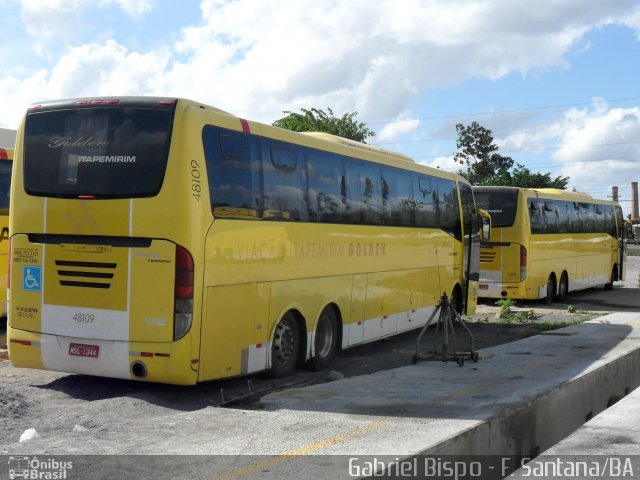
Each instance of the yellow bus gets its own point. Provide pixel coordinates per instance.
(6, 163)
(163, 240)
(546, 242)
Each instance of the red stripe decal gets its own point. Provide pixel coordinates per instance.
(245, 126)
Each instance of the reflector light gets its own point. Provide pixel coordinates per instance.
(21, 342)
(166, 102)
(86, 197)
(3, 154)
(81, 102)
(35, 107)
(9, 266)
(146, 354)
(112, 101)
(97, 102)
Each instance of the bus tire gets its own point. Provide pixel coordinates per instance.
(285, 346)
(551, 289)
(563, 288)
(325, 339)
(456, 299)
(614, 274)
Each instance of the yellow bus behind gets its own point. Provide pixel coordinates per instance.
(6, 162)
(163, 240)
(547, 242)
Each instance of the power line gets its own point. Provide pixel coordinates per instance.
(525, 109)
(555, 147)
(509, 134)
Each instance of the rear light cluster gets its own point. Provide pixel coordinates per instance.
(183, 311)
(523, 263)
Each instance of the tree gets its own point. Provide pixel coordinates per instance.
(522, 177)
(316, 120)
(485, 166)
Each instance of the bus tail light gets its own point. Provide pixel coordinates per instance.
(523, 263)
(183, 311)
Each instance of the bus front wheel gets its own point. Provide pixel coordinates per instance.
(285, 347)
(325, 340)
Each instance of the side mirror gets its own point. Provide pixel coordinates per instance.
(485, 233)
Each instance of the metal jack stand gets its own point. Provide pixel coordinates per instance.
(448, 317)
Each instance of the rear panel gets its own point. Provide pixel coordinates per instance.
(96, 232)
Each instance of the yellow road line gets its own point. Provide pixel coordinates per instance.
(304, 450)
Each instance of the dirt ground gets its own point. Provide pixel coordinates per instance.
(60, 406)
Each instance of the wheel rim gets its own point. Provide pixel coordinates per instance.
(284, 343)
(324, 336)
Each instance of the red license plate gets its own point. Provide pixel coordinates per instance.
(484, 286)
(82, 350)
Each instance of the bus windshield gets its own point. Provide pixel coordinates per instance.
(501, 205)
(102, 152)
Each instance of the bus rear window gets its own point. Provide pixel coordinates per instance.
(97, 152)
(501, 205)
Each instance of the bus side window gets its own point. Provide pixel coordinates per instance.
(363, 192)
(448, 210)
(575, 217)
(284, 182)
(536, 216)
(397, 198)
(609, 222)
(563, 210)
(325, 172)
(232, 181)
(425, 199)
(588, 215)
(600, 219)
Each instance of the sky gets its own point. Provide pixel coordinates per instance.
(556, 81)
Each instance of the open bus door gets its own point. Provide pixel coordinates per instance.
(480, 230)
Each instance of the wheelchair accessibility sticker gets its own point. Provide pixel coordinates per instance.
(31, 277)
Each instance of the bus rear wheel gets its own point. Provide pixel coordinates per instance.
(325, 340)
(563, 288)
(285, 347)
(551, 290)
(614, 274)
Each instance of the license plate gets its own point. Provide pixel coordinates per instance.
(484, 286)
(82, 350)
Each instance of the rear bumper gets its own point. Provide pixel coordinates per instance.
(163, 362)
(488, 289)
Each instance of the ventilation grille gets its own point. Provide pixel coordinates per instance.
(487, 256)
(85, 274)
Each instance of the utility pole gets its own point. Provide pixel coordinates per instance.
(614, 193)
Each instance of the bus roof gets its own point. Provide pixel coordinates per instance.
(312, 139)
(553, 192)
(352, 143)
